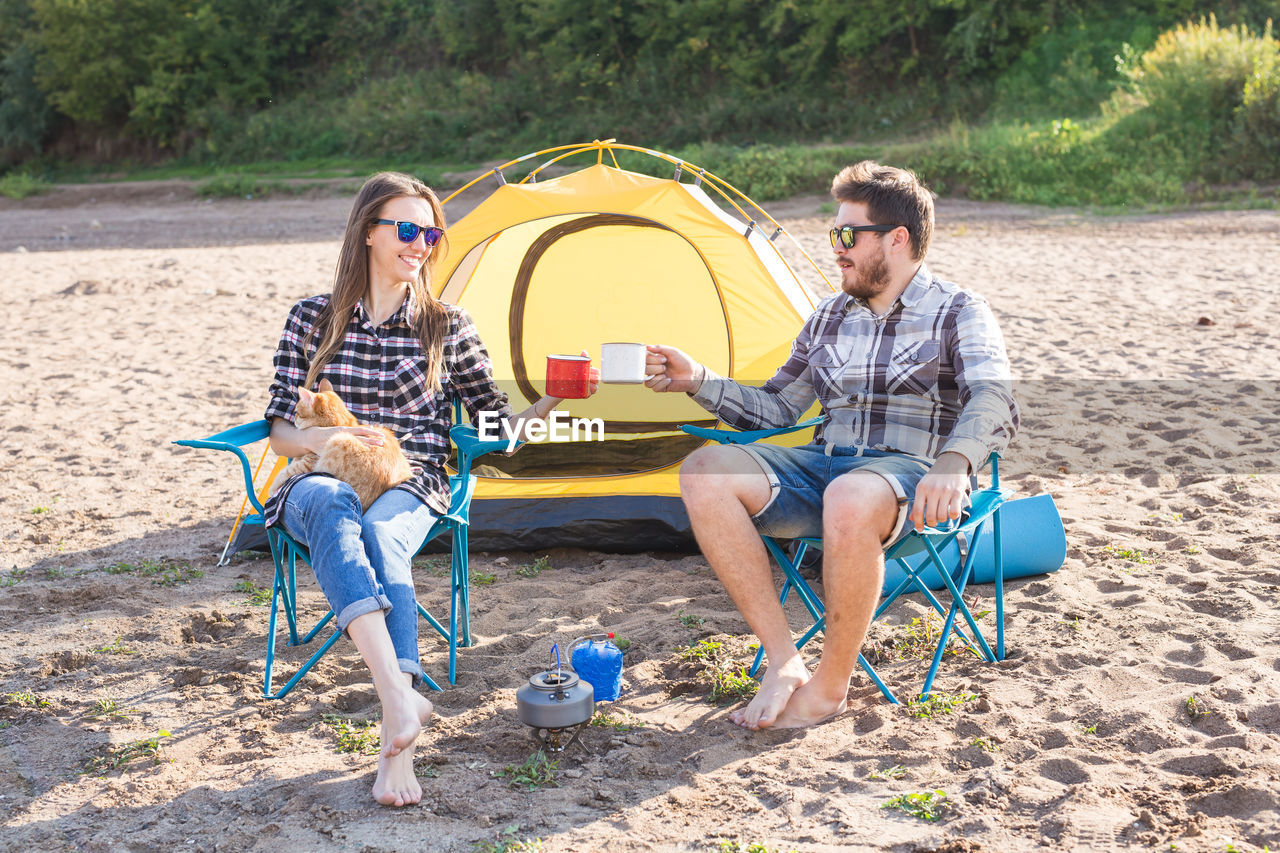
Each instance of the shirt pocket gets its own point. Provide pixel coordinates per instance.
(409, 388)
(827, 364)
(913, 368)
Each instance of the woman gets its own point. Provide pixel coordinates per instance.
(397, 357)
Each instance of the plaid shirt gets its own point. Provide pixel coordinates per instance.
(379, 372)
(929, 377)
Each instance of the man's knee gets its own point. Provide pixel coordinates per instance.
(859, 505)
(712, 472)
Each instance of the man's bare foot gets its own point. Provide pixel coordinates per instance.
(809, 705)
(402, 720)
(775, 691)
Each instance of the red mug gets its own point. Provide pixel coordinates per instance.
(568, 376)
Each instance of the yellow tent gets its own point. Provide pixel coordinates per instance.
(596, 255)
(603, 254)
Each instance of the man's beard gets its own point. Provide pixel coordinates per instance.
(869, 281)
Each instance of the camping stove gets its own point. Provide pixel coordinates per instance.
(557, 705)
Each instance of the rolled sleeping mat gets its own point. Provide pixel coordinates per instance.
(1033, 538)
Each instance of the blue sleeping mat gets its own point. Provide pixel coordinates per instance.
(1034, 542)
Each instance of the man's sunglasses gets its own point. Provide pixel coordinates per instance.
(844, 235)
(409, 231)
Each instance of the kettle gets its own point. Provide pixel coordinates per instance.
(554, 703)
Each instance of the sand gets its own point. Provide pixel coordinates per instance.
(1139, 706)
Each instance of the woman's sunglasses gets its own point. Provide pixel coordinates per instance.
(409, 231)
(844, 235)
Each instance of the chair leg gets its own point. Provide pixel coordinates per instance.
(291, 595)
(297, 676)
(271, 636)
(957, 596)
(462, 562)
(999, 579)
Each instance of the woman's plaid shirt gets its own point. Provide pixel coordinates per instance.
(379, 372)
(931, 376)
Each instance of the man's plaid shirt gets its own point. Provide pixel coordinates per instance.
(379, 372)
(930, 376)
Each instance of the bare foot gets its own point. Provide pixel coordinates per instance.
(402, 721)
(775, 691)
(809, 706)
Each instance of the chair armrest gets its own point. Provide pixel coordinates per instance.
(231, 441)
(470, 447)
(746, 436)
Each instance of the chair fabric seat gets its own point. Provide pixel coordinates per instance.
(285, 552)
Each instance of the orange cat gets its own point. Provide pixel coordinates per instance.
(367, 469)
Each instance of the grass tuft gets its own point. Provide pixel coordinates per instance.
(25, 699)
(354, 735)
(704, 651)
(162, 572)
(116, 648)
(508, 842)
(537, 567)
(925, 805)
(897, 771)
(258, 595)
(1132, 555)
(1196, 707)
(537, 771)
(118, 757)
(938, 704)
(735, 846)
(621, 723)
(109, 708)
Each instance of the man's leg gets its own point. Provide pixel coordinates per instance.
(722, 488)
(860, 511)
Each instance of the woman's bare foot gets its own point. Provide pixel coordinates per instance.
(402, 720)
(775, 691)
(810, 705)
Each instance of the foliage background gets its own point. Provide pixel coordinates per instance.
(991, 95)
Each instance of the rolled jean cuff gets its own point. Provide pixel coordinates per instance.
(356, 609)
(413, 668)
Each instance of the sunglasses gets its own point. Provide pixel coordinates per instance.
(409, 231)
(844, 235)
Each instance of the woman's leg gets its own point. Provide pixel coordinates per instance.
(404, 710)
(393, 529)
(324, 514)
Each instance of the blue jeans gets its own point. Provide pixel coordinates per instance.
(798, 477)
(363, 563)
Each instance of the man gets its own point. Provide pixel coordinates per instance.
(914, 385)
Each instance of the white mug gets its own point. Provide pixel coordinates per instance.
(622, 363)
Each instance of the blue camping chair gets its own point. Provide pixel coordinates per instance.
(936, 558)
(285, 551)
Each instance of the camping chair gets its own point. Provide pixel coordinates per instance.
(285, 551)
(920, 559)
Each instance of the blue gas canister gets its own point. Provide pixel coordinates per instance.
(599, 663)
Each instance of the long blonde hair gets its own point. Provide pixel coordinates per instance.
(351, 280)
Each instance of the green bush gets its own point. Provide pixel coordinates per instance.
(1191, 83)
(1257, 121)
(21, 185)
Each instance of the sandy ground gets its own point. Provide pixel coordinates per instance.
(1139, 706)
